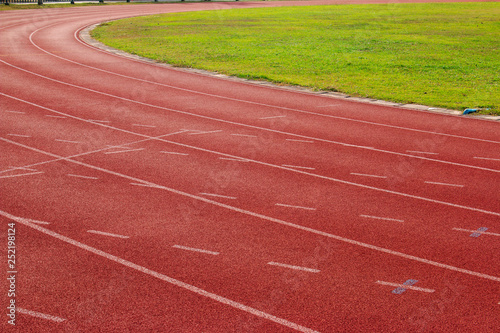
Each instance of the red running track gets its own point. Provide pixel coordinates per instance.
(151, 199)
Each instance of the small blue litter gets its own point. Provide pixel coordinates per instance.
(467, 111)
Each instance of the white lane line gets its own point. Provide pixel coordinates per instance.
(123, 151)
(19, 135)
(39, 315)
(298, 167)
(400, 285)
(22, 174)
(275, 220)
(106, 234)
(245, 135)
(233, 159)
(16, 112)
(291, 206)
(141, 125)
(36, 221)
(381, 218)
(476, 231)
(80, 176)
(273, 117)
(298, 140)
(53, 116)
(195, 250)
(218, 196)
(205, 132)
(163, 277)
(444, 184)
(22, 168)
(67, 141)
(174, 153)
(367, 175)
(487, 158)
(421, 152)
(299, 268)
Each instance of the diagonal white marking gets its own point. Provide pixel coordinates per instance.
(381, 218)
(218, 196)
(298, 207)
(478, 232)
(367, 175)
(39, 315)
(80, 176)
(23, 174)
(444, 184)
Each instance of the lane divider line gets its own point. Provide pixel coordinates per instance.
(205, 132)
(245, 135)
(141, 125)
(273, 117)
(97, 232)
(298, 268)
(195, 250)
(16, 112)
(163, 277)
(40, 315)
(53, 116)
(233, 159)
(263, 217)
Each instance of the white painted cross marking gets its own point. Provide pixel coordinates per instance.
(477, 231)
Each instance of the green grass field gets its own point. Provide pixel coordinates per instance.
(443, 55)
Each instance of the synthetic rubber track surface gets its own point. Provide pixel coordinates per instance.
(149, 199)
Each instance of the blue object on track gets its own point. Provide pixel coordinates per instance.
(467, 111)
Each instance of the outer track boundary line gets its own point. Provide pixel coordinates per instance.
(263, 217)
(258, 162)
(160, 276)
